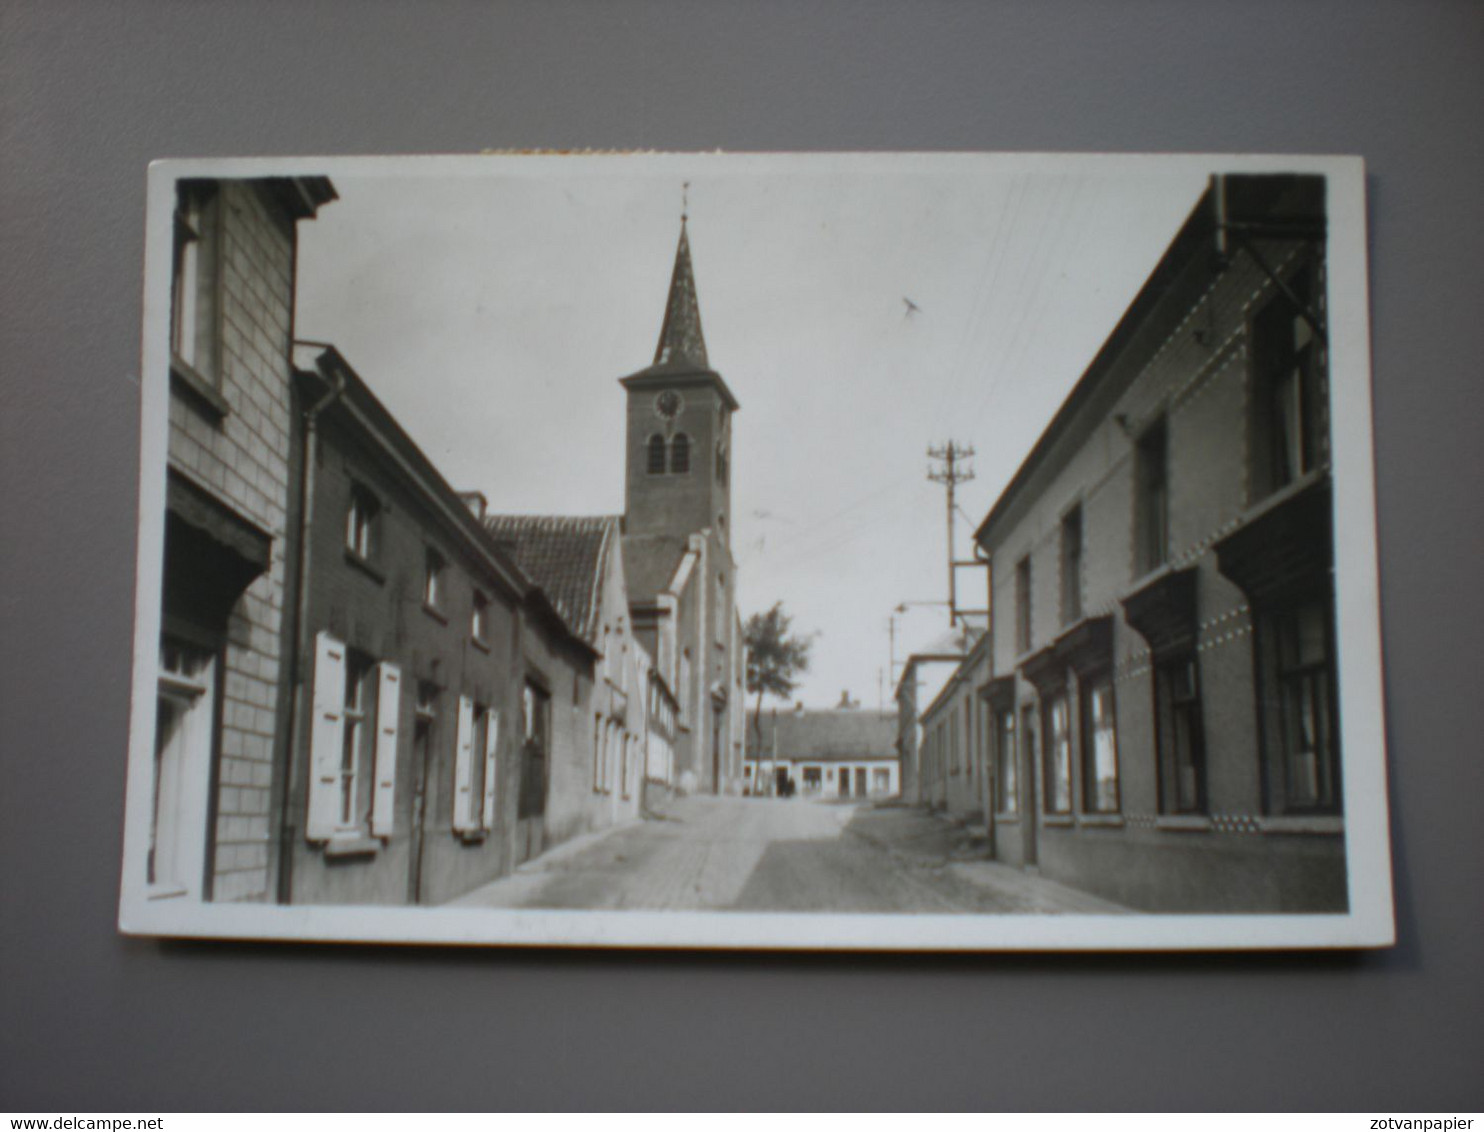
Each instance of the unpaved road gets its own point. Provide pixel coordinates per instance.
(761, 854)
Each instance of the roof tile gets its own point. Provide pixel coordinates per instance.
(563, 554)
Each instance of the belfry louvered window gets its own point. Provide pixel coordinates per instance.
(680, 455)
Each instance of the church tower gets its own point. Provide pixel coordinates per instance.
(679, 425)
(678, 564)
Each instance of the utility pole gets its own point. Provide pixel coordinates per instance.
(952, 473)
(891, 647)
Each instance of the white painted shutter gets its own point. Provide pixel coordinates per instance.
(388, 705)
(463, 767)
(326, 737)
(491, 743)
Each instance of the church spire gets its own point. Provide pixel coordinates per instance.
(681, 342)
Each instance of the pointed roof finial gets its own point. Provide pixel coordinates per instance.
(681, 342)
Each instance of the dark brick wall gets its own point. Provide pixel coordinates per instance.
(1191, 366)
(697, 503)
(957, 781)
(678, 504)
(378, 609)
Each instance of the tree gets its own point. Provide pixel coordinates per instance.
(775, 658)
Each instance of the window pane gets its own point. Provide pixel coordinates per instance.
(187, 284)
(1008, 782)
(1310, 774)
(1288, 428)
(1071, 566)
(1181, 740)
(1102, 776)
(1023, 604)
(1058, 758)
(1151, 483)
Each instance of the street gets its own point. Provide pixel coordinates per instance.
(776, 855)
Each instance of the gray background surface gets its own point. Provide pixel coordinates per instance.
(89, 92)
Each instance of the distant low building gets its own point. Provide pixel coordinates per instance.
(924, 675)
(953, 728)
(835, 753)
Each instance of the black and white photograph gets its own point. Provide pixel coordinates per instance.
(843, 551)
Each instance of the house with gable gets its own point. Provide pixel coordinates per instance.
(578, 562)
(431, 681)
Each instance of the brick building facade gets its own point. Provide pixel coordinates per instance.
(579, 561)
(438, 690)
(924, 675)
(954, 739)
(1162, 719)
(220, 710)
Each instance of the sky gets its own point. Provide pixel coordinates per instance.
(862, 308)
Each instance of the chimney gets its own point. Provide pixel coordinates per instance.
(476, 502)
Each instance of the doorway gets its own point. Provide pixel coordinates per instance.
(535, 741)
(715, 751)
(424, 719)
(186, 701)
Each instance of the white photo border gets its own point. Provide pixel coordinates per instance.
(1369, 921)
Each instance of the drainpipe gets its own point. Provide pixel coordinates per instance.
(289, 829)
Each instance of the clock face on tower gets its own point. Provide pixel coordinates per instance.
(668, 404)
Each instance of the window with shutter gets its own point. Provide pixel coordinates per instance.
(326, 738)
(491, 744)
(384, 787)
(463, 767)
(354, 800)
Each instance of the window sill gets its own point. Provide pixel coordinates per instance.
(166, 892)
(352, 845)
(1187, 823)
(480, 643)
(1007, 819)
(1057, 821)
(186, 379)
(360, 562)
(1317, 824)
(435, 613)
(1104, 821)
(472, 836)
